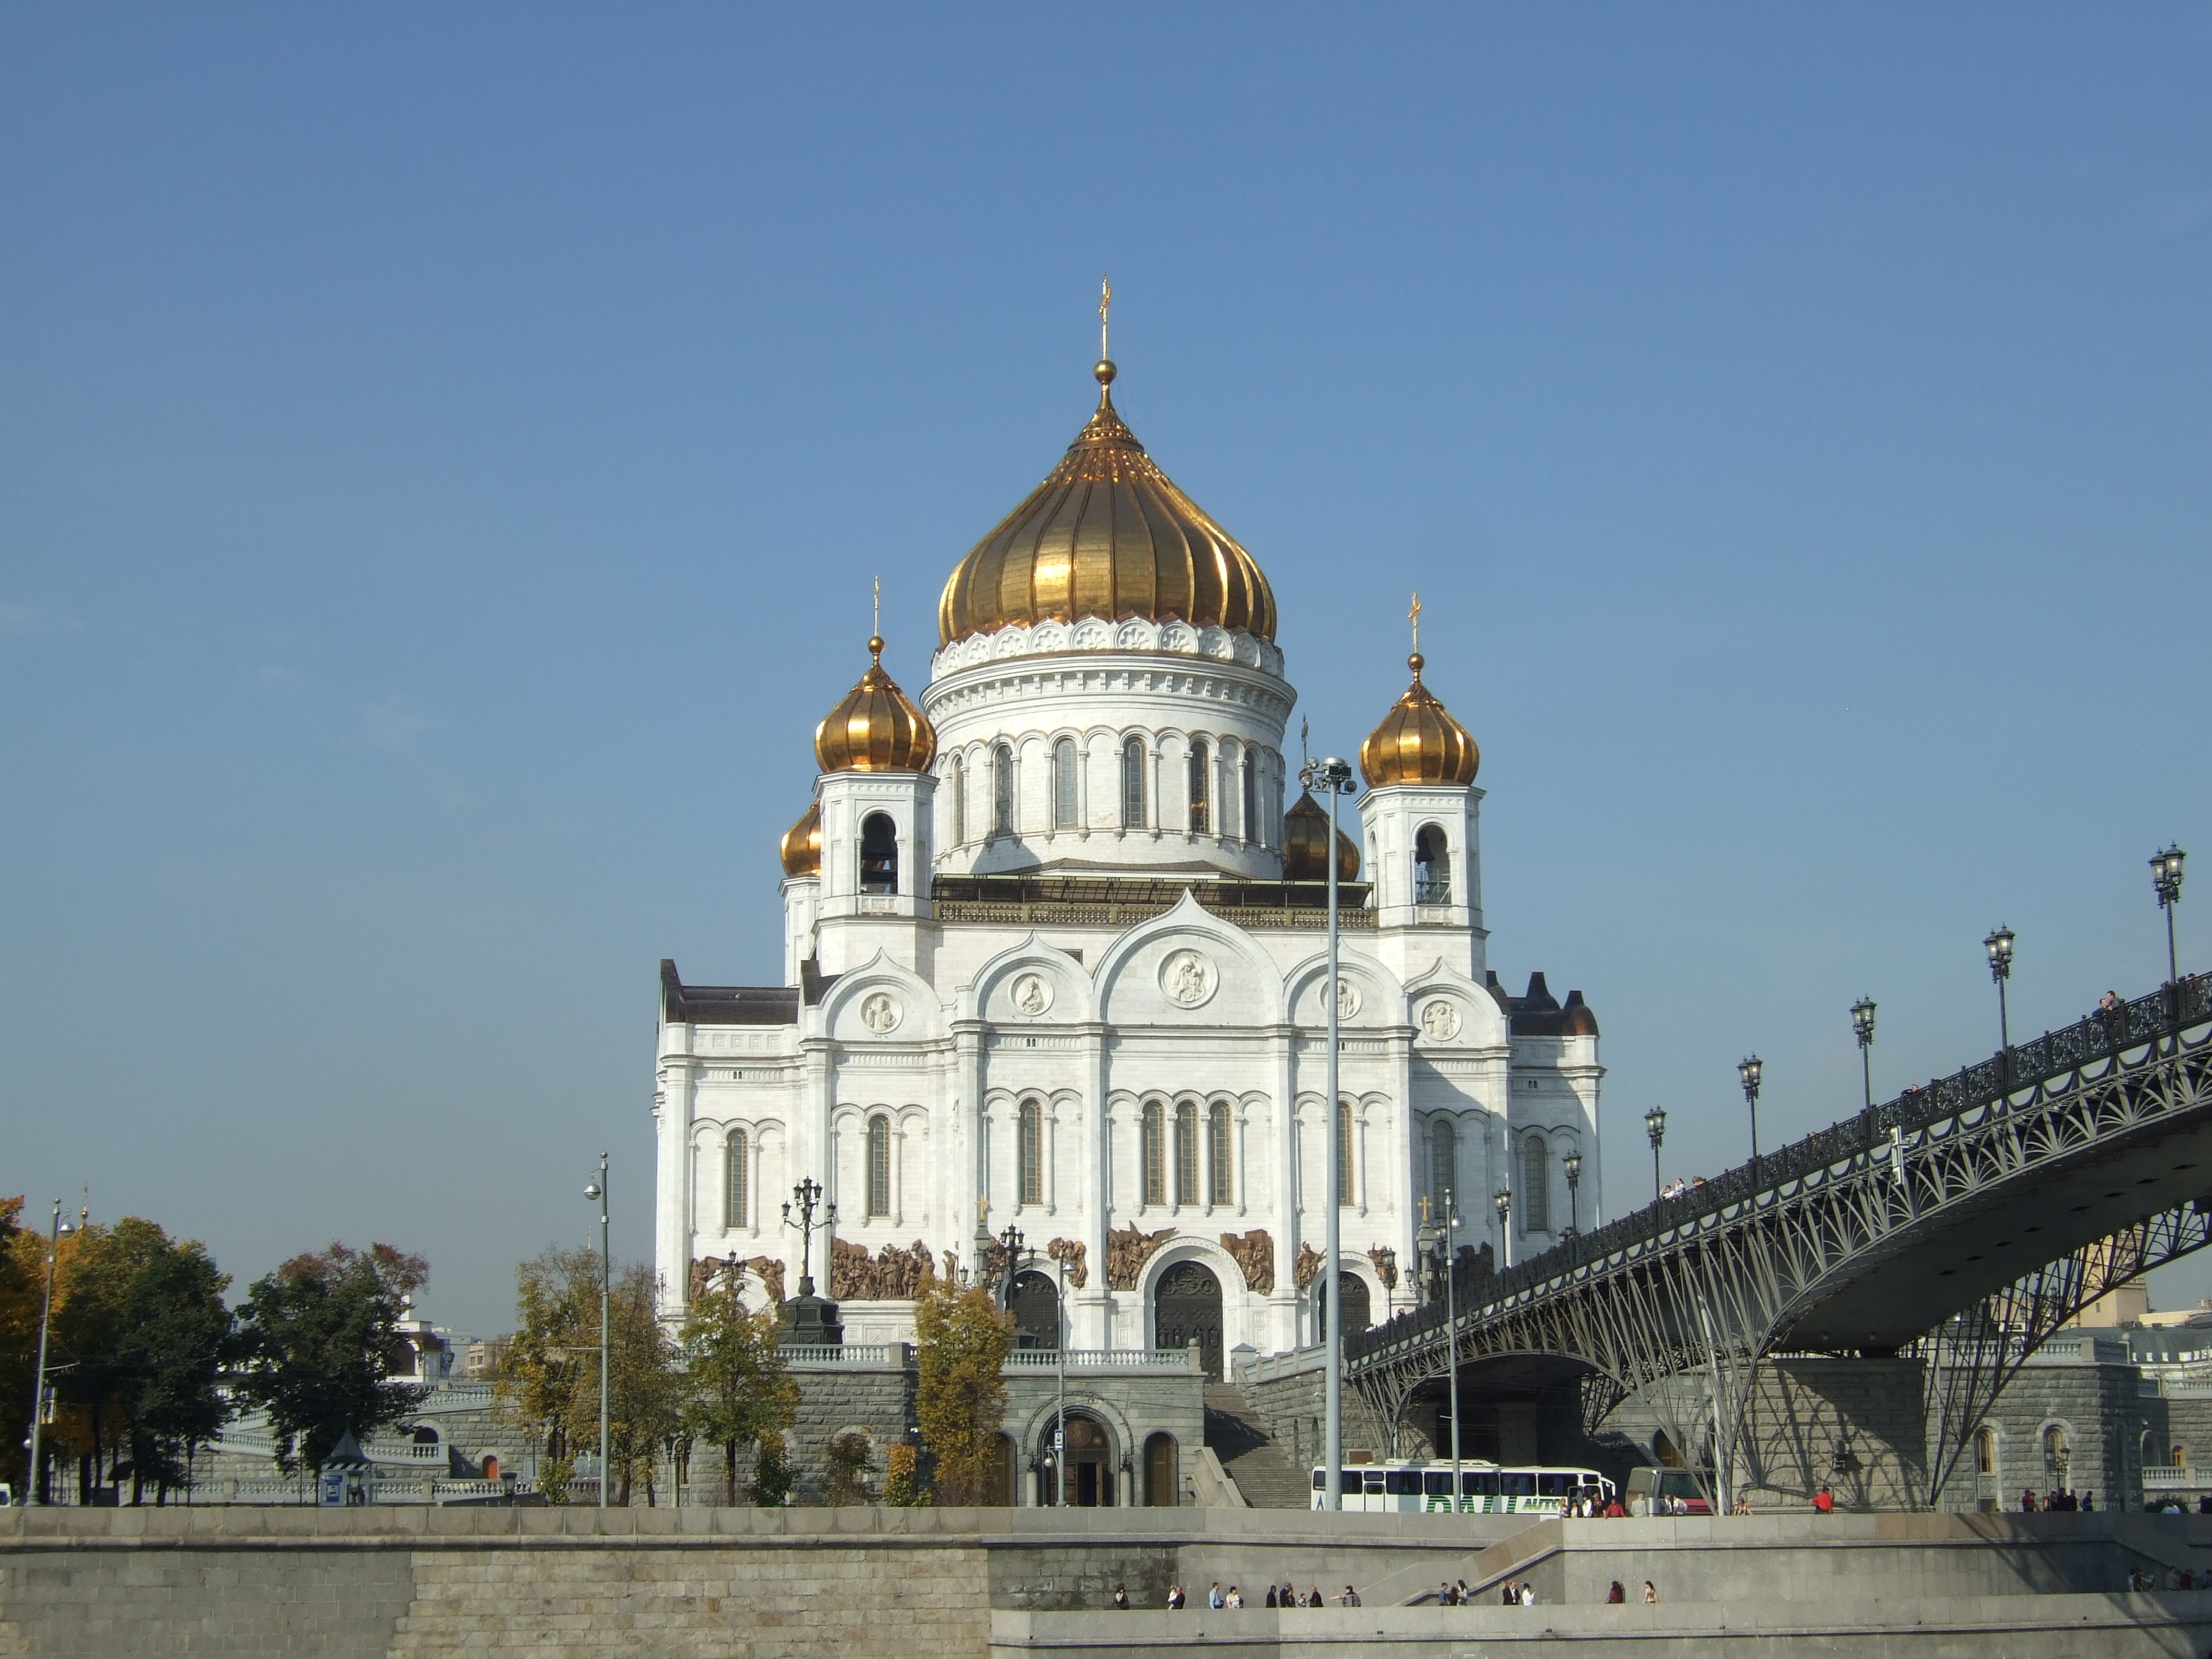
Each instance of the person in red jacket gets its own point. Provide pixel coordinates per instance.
(1824, 1502)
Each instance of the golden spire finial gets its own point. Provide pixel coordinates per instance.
(1102, 371)
(877, 630)
(1413, 616)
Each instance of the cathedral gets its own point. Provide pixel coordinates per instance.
(1055, 958)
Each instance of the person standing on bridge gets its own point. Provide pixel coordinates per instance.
(1616, 1597)
(1650, 1593)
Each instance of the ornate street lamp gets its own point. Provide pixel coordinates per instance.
(61, 1230)
(1655, 1125)
(1750, 1071)
(597, 1193)
(1333, 777)
(1572, 1163)
(807, 1195)
(1998, 945)
(1862, 1024)
(1504, 1200)
(2166, 876)
(1446, 1239)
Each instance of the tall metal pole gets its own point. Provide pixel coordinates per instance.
(1059, 1341)
(1451, 1333)
(1332, 1192)
(37, 1494)
(606, 1302)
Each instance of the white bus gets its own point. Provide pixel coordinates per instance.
(1423, 1485)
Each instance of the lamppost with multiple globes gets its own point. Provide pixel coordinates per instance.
(1333, 777)
(1503, 1200)
(1655, 1125)
(1749, 1071)
(597, 1193)
(60, 1231)
(1438, 1242)
(1862, 1025)
(1998, 946)
(2166, 877)
(1572, 1163)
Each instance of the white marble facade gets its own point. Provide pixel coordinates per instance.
(1139, 1048)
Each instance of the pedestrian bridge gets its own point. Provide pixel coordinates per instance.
(1963, 1222)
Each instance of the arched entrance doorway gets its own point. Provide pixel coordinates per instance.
(1161, 1488)
(1356, 1317)
(1089, 1459)
(1037, 1311)
(1187, 1307)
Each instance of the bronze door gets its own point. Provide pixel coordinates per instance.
(1186, 1307)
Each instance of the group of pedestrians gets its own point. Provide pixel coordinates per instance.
(2063, 1502)
(1284, 1594)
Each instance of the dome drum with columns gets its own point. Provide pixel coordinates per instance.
(1055, 942)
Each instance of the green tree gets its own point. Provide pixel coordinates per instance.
(962, 1340)
(773, 1474)
(846, 1456)
(87, 1365)
(736, 1388)
(177, 1334)
(22, 1287)
(317, 1337)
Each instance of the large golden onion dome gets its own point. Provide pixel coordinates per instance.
(1106, 535)
(876, 728)
(1419, 741)
(802, 844)
(1305, 837)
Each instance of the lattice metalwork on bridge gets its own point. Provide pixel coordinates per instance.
(1964, 1222)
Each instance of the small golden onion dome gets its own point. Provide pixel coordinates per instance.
(876, 728)
(1419, 741)
(802, 844)
(1305, 834)
(1106, 535)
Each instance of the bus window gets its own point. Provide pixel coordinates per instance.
(1375, 1479)
(1403, 1483)
(1348, 1483)
(1321, 1480)
(1481, 1484)
(1436, 1484)
(1516, 1483)
(1555, 1484)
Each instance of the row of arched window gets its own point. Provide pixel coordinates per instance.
(738, 1174)
(1201, 813)
(1533, 1198)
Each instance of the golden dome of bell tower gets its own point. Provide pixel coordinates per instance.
(1419, 741)
(876, 728)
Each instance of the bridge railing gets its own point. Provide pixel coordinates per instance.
(2104, 1035)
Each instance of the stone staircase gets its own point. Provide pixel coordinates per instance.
(1261, 1468)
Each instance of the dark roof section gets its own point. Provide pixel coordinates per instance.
(1538, 1013)
(728, 1005)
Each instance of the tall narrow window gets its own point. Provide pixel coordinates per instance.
(737, 1188)
(956, 776)
(1152, 1131)
(1250, 825)
(1132, 784)
(1032, 1152)
(878, 854)
(879, 1165)
(1185, 1185)
(1535, 1193)
(1063, 784)
(1343, 1154)
(1200, 797)
(1002, 790)
(1216, 1154)
(1444, 1164)
(1432, 867)
(1985, 1451)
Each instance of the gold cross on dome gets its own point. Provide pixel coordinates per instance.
(1415, 616)
(1105, 304)
(879, 629)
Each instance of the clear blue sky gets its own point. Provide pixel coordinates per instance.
(443, 456)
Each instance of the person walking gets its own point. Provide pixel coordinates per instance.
(1213, 1596)
(1510, 1596)
(1528, 1596)
(1273, 1600)
(1121, 1597)
(1313, 1597)
(1350, 1598)
(1175, 1598)
(1234, 1599)
(1616, 1596)
(1650, 1593)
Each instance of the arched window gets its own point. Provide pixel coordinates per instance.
(879, 1165)
(2055, 1449)
(1535, 1186)
(1002, 789)
(1250, 825)
(737, 1182)
(1216, 1154)
(1443, 1165)
(1031, 1153)
(878, 853)
(1432, 867)
(2179, 1457)
(1343, 1154)
(1133, 783)
(1985, 1452)
(1152, 1131)
(1200, 797)
(1185, 1121)
(1063, 784)
(1160, 1488)
(956, 775)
